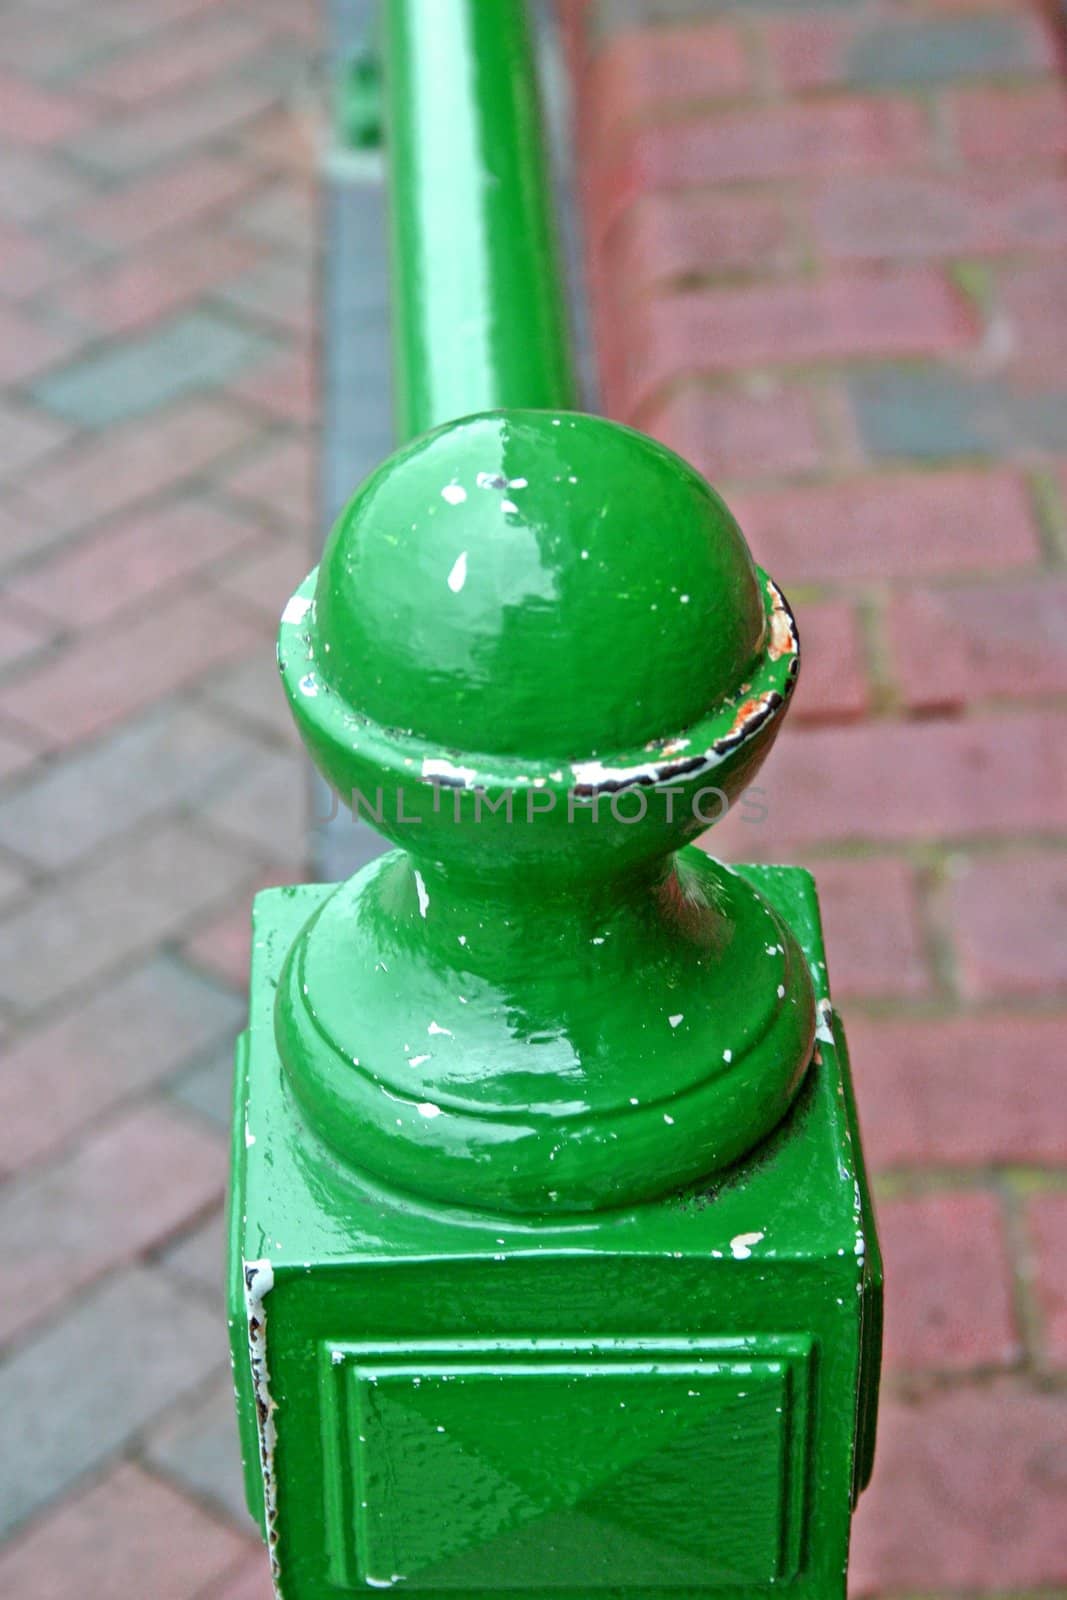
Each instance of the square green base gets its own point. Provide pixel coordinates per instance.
(674, 1400)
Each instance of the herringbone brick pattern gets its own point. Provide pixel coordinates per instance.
(827, 251)
(157, 247)
(828, 247)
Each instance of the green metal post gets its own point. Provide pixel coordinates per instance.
(553, 1270)
(478, 309)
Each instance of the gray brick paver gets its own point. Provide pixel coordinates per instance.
(127, 1037)
(150, 370)
(199, 1450)
(170, 757)
(122, 835)
(76, 931)
(75, 1394)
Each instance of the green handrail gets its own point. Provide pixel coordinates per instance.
(479, 312)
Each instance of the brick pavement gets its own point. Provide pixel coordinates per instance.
(157, 441)
(826, 245)
(837, 234)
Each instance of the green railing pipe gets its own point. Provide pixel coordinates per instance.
(479, 311)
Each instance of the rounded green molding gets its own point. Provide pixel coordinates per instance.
(538, 656)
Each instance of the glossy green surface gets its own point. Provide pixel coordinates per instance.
(478, 312)
(659, 1401)
(552, 1270)
(560, 1462)
(541, 1006)
(530, 1057)
(539, 585)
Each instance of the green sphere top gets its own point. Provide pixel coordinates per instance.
(536, 584)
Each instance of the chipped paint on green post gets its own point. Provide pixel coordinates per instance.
(552, 1267)
(552, 1264)
(535, 1005)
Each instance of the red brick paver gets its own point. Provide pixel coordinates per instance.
(155, 186)
(967, 1495)
(827, 248)
(110, 1537)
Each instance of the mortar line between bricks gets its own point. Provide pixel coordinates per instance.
(161, 707)
(273, 741)
(111, 346)
(877, 655)
(195, 584)
(1049, 515)
(156, 1093)
(917, 1182)
(30, 1332)
(200, 582)
(999, 1008)
(259, 181)
(225, 140)
(72, 1000)
(938, 930)
(1024, 1303)
(924, 852)
(229, 839)
(110, 851)
(175, 1410)
(660, 115)
(188, 487)
(105, 1465)
(85, 1481)
(864, 591)
(918, 1384)
(223, 1584)
(803, 373)
(208, 1298)
(56, 749)
(274, 522)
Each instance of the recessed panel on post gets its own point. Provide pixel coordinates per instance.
(679, 1466)
(548, 1195)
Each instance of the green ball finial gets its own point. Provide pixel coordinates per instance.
(537, 585)
(535, 644)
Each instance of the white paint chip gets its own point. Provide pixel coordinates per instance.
(823, 1027)
(296, 608)
(454, 494)
(420, 890)
(426, 1108)
(258, 1277)
(458, 576)
(741, 1245)
(447, 771)
(675, 1020)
